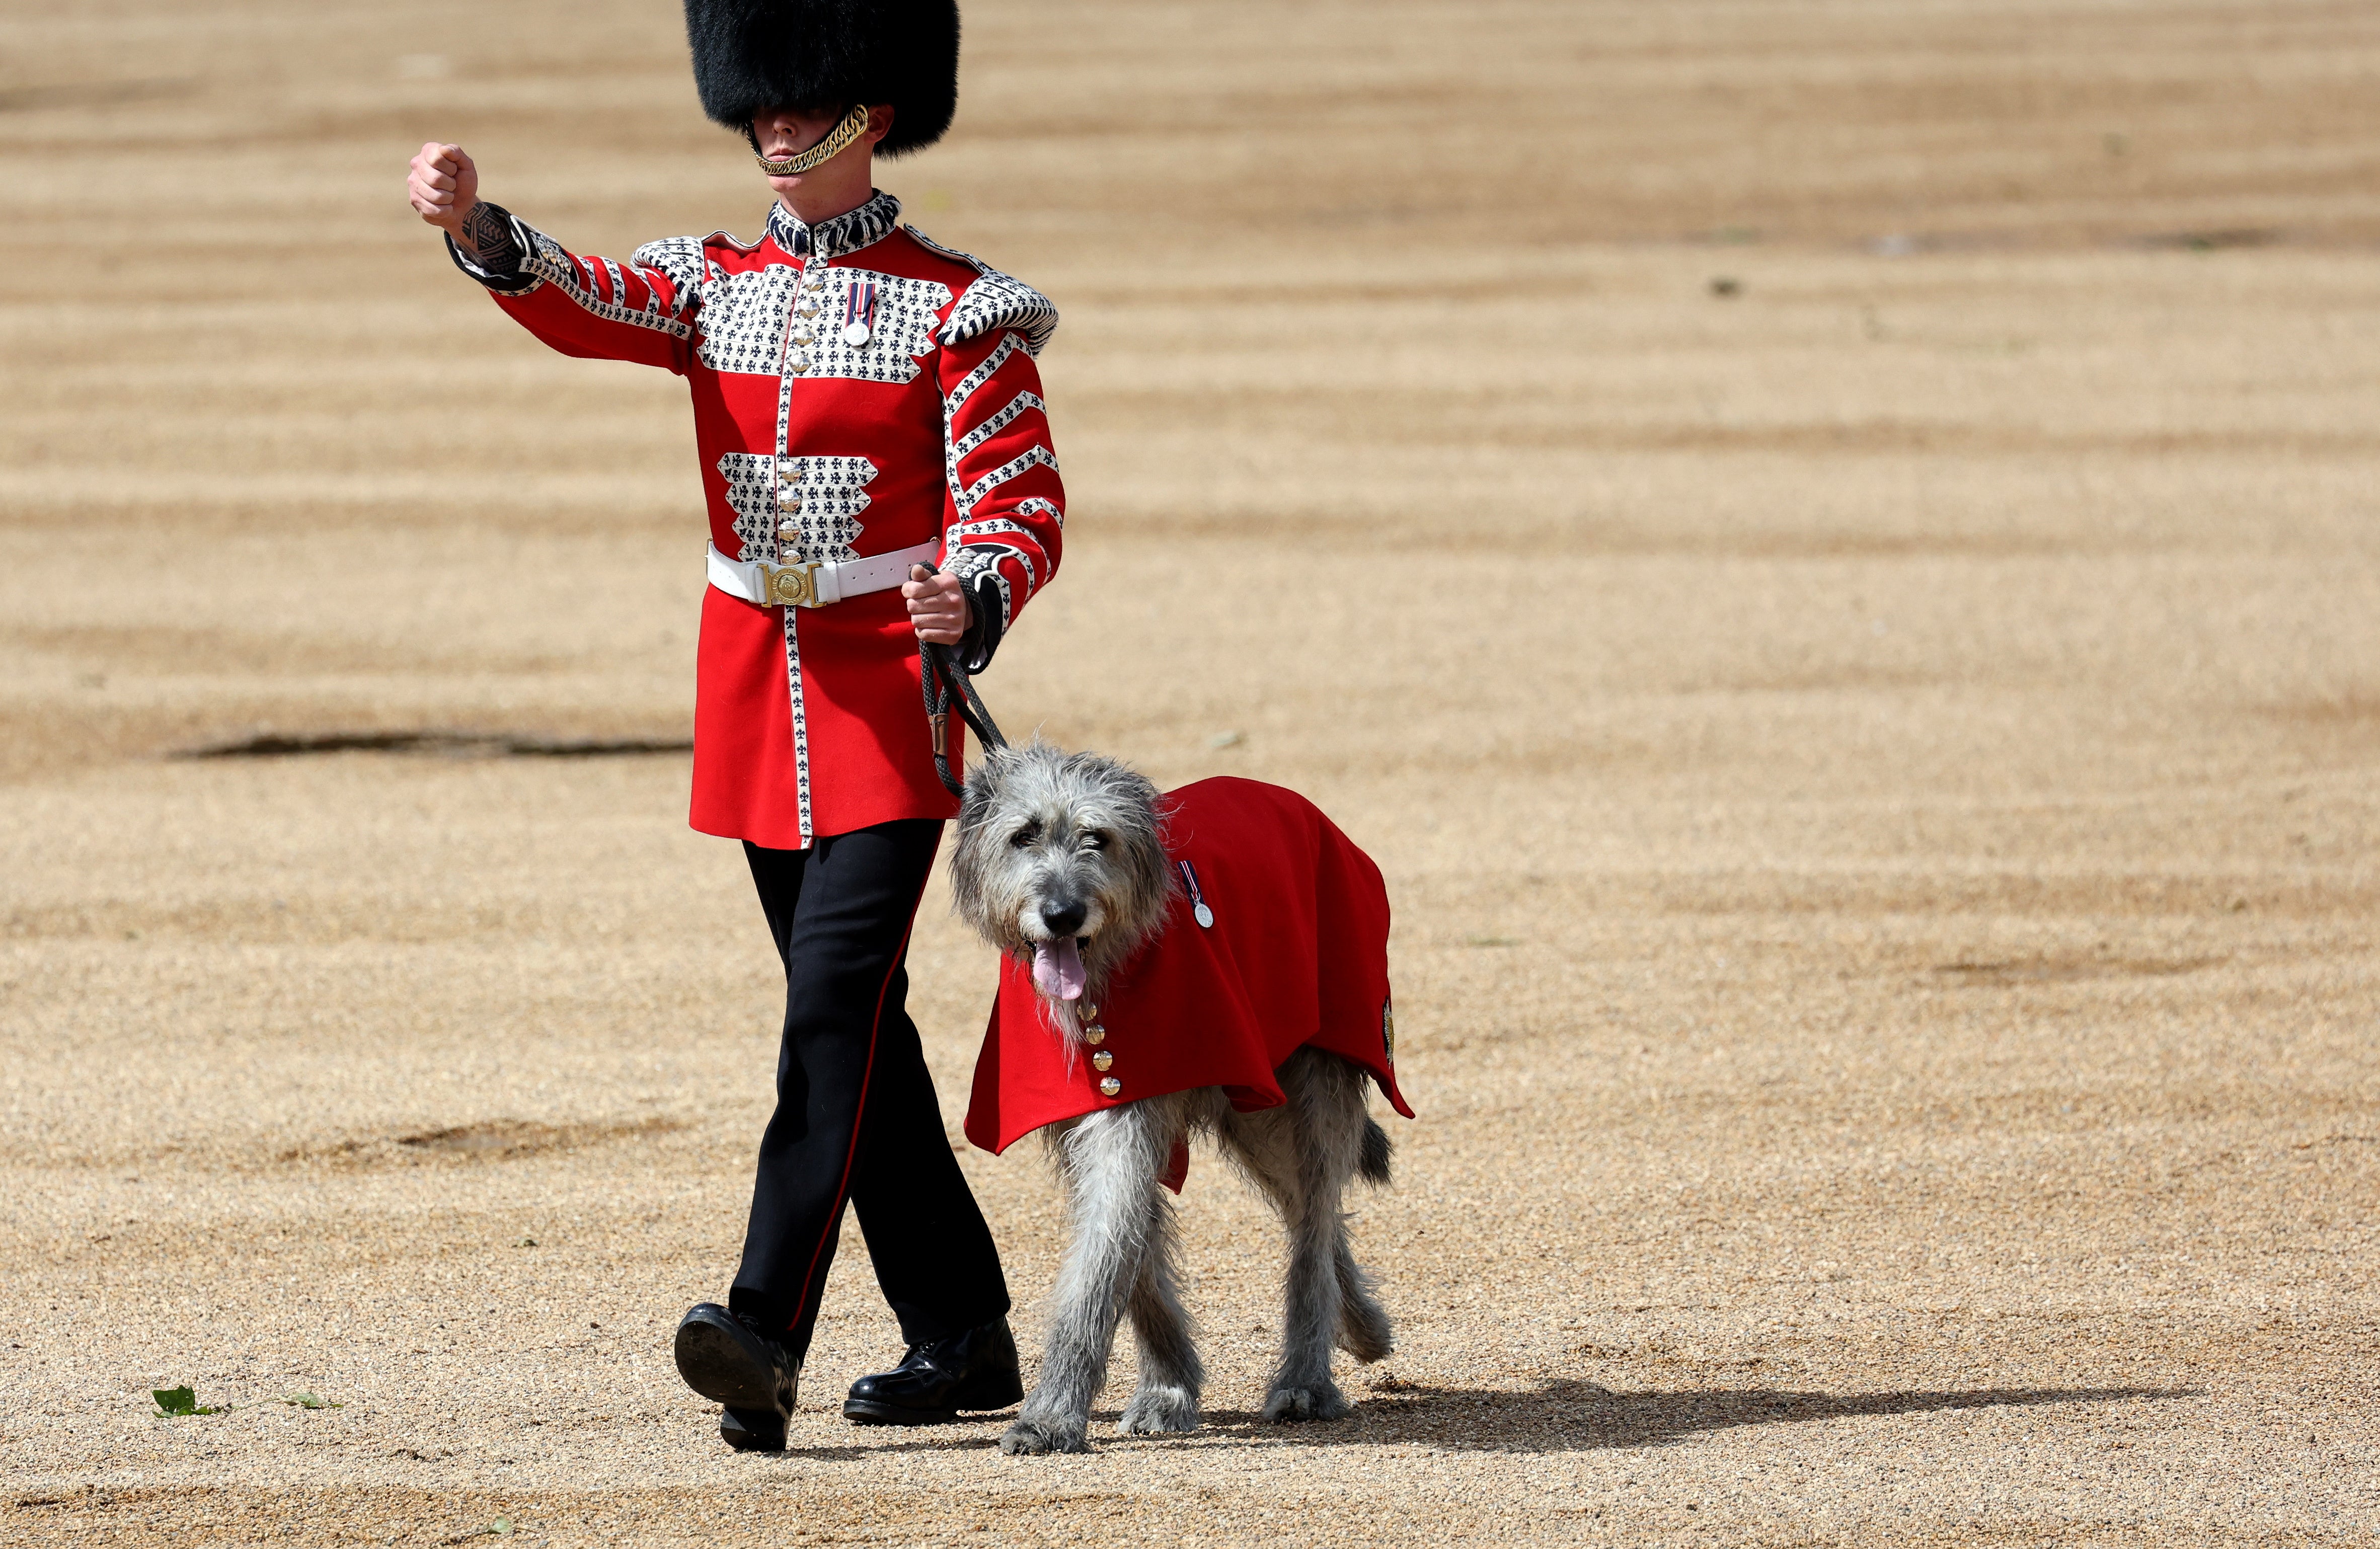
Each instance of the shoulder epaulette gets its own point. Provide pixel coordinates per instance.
(680, 258)
(994, 301)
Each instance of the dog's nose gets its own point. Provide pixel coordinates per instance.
(1063, 918)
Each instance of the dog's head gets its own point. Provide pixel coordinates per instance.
(1060, 862)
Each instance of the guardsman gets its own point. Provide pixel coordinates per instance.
(876, 460)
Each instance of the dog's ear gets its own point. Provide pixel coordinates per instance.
(975, 792)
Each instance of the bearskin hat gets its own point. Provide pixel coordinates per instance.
(751, 55)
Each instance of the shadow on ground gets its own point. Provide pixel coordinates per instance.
(1561, 1416)
(1568, 1415)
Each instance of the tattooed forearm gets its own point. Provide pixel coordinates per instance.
(488, 232)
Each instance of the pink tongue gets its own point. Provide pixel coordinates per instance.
(1058, 969)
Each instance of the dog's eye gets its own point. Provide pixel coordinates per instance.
(1025, 835)
(1095, 840)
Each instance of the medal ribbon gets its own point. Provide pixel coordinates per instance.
(1190, 877)
(859, 305)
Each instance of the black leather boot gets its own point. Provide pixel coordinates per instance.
(728, 1359)
(972, 1370)
(752, 1430)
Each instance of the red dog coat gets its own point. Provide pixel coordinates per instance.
(1297, 955)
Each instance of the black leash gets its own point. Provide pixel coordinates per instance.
(943, 681)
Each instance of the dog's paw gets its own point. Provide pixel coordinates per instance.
(1156, 1410)
(1285, 1405)
(1030, 1437)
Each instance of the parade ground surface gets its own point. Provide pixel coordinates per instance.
(1828, 550)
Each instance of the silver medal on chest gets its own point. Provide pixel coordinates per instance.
(1198, 910)
(858, 313)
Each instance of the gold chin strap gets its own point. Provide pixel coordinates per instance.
(837, 142)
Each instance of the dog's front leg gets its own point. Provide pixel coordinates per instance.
(1109, 1162)
(1171, 1373)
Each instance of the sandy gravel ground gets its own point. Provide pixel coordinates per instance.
(1830, 549)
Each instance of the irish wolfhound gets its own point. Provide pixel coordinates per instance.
(1075, 869)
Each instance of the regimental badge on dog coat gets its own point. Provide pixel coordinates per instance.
(1298, 954)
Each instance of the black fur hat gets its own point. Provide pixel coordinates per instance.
(751, 55)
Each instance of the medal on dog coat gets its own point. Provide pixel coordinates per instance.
(1296, 954)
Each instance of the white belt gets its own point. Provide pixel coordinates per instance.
(815, 583)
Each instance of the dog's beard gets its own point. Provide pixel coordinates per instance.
(1058, 969)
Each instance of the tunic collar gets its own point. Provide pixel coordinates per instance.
(848, 231)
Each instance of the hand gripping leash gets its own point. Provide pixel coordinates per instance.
(943, 681)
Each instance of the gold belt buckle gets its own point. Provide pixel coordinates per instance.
(789, 585)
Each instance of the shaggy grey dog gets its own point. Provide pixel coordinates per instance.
(1060, 862)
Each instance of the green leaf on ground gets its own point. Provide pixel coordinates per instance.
(501, 1527)
(309, 1402)
(175, 1401)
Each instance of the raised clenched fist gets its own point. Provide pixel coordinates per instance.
(444, 184)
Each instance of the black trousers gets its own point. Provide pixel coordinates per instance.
(856, 1119)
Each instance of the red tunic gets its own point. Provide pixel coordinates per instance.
(810, 721)
(1298, 955)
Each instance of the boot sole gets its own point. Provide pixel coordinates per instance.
(760, 1431)
(715, 1366)
(869, 1412)
(989, 1396)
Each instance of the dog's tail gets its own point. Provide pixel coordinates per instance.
(1372, 1161)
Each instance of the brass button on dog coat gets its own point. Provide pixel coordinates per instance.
(1298, 954)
